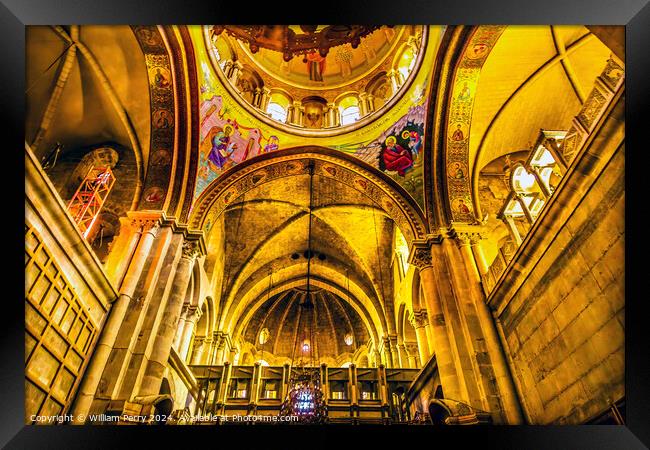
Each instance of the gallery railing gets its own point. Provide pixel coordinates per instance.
(228, 393)
(534, 181)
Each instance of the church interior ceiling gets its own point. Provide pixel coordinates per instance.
(330, 174)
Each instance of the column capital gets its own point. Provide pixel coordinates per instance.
(411, 348)
(467, 234)
(420, 255)
(191, 250)
(145, 221)
(194, 313)
(419, 318)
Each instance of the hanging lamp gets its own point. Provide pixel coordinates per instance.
(305, 397)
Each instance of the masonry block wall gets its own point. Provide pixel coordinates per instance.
(565, 324)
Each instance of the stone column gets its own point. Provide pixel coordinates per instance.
(257, 97)
(421, 336)
(378, 361)
(333, 115)
(207, 351)
(232, 354)
(512, 227)
(162, 346)
(219, 344)
(421, 258)
(427, 330)
(479, 256)
(179, 329)
(197, 353)
(371, 103)
(463, 241)
(393, 75)
(147, 228)
(385, 350)
(265, 98)
(546, 191)
(122, 249)
(363, 104)
(504, 380)
(192, 318)
(235, 72)
(412, 352)
(393, 350)
(527, 213)
(296, 109)
(403, 357)
(414, 43)
(227, 67)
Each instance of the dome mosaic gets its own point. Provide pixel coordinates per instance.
(306, 93)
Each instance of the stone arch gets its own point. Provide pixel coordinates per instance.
(171, 169)
(442, 189)
(253, 299)
(374, 184)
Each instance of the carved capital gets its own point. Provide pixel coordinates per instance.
(419, 318)
(411, 348)
(184, 310)
(421, 256)
(190, 250)
(468, 238)
(194, 313)
(145, 222)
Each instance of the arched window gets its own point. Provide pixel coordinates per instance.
(349, 115)
(406, 62)
(277, 112)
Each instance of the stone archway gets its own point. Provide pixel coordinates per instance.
(381, 189)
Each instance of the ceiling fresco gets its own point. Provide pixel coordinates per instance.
(392, 143)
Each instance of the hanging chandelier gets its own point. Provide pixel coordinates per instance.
(291, 40)
(305, 398)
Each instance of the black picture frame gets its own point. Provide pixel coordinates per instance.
(634, 14)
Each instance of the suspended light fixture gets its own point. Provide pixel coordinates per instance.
(305, 398)
(348, 339)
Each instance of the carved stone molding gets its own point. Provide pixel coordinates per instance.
(420, 256)
(194, 313)
(191, 250)
(145, 222)
(419, 318)
(347, 170)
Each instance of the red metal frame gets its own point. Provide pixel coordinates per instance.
(87, 202)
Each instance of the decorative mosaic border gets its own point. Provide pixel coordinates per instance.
(459, 120)
(216, 198)
(161, 94)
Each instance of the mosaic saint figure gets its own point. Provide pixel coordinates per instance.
(272, 145)
(396, 157)
(222, 148)
(458, 134)
(414, 141)
(315, 65)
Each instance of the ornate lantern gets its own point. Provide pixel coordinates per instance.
(305, 399)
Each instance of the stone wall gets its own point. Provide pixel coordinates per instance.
(562, 312)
